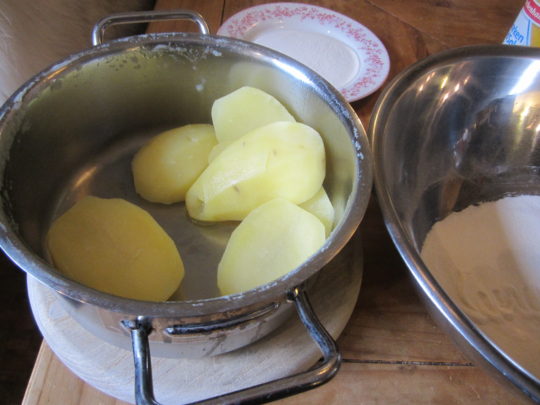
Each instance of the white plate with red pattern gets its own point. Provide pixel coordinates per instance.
(338, 48)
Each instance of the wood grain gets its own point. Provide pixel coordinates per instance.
(405, 384)
(211, 10)
(456, 22)
(393, 351)
(53, 383)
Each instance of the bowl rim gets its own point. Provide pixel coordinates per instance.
(482, 347)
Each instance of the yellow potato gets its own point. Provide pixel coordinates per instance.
(321, 206)
(116, 247)
(216, 150)
(244, 110)
(167, 166)
(271, 241)
(283, 159)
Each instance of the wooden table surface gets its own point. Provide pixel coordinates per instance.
(393, 352)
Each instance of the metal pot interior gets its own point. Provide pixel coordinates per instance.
(73, 129)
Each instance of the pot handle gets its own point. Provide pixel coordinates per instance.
(146, 16)
(322, 372)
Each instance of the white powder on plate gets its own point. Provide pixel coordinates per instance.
(487, 259)
(331, 58)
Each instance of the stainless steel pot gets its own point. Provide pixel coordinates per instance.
(72, 131)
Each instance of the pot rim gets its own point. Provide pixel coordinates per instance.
(277, 290)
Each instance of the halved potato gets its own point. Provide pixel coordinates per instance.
(282, 159)
(115, 247)
(165, 168)
(321, 206)
(271, 241)
(243, 110)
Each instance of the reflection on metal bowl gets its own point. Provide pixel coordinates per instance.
(457, 129)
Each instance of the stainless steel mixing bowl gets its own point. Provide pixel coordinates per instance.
(458, 128)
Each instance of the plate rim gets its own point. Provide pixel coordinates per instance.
(372, 54)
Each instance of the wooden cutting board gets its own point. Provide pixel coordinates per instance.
(284, 352)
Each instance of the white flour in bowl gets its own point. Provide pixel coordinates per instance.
(487, 259)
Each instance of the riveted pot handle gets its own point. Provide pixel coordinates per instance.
(146, 16)
(322, 372)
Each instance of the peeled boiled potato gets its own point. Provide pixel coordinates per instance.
(321, 206)
(271, 241)
(243, 110)
(167, 166)
(216, 150)
(116, 247)
(279, 160)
